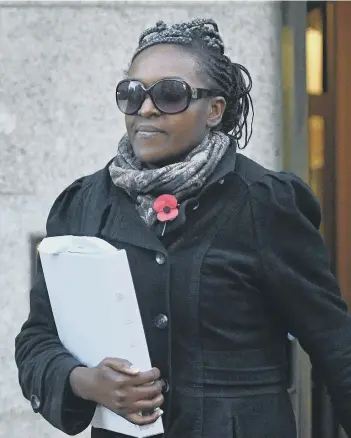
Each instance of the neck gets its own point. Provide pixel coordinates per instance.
(166, 162)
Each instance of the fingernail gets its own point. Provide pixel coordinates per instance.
(134, 368)
(159, 412)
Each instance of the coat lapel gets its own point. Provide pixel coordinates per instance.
(124, 224)
(109, 213)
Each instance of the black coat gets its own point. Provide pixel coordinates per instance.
(241, 266)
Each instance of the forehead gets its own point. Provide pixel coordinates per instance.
(165, 60)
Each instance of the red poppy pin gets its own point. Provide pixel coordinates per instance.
(166, 207)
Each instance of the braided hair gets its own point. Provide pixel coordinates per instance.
(201, 36)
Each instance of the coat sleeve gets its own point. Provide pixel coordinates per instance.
(298, 281)
(44, 365)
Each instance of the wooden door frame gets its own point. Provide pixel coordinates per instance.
(343, 148)
(325, 106)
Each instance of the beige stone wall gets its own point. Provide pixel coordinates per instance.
(58, 120)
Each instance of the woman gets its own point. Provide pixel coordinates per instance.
(224, 266)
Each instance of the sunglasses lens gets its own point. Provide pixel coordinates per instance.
(129, 96)
(171, 96)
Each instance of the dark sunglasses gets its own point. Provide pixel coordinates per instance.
(170, 96)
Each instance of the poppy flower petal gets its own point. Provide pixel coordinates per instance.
(165, 201)
(171, 201)
(159, 204)
(173, 214)
(162, 216)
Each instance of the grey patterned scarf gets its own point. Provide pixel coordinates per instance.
(181, 179)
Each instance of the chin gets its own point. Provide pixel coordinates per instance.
(154, 156)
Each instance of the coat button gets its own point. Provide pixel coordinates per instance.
(221, 181)
(165, 386)
(35, 402)
(161, 321)
(196, 206)
(160, 258)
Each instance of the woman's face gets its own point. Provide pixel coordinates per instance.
(178, 133)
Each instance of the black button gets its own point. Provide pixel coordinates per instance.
(160, 258)
(161, 321)
(165, 386)
(35, 402)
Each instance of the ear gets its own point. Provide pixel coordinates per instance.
(217, 108)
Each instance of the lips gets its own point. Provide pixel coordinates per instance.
(148, 129)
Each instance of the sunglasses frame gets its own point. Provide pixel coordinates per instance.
(192, 94)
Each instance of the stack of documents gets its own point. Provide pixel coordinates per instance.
(96, 311)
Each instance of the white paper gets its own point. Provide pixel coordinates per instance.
(96, 311)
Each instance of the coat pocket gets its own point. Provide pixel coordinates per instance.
(264, 416)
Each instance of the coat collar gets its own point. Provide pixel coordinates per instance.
(224, 167)
(120, 221)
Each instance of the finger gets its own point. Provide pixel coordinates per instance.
(148, 405)
(121, 366)
(122, 412)
(149, 376)
(144, 419)
(147, 392)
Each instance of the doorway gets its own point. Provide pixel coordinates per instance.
(328, 67)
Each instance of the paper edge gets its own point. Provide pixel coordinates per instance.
(75, 245)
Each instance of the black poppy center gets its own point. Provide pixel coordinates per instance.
(166, 209)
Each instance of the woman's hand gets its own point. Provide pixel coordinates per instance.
(120, 388)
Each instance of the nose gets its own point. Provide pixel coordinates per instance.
(148, 108)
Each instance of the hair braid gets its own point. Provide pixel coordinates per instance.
(201, 36)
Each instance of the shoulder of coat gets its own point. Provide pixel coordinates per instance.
(249, 170)
(99, 180)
